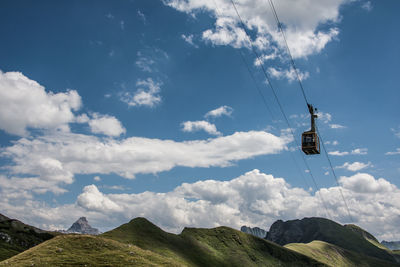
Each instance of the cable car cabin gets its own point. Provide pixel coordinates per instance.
(309, 139)
(310, 143)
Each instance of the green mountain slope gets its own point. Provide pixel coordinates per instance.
(310, 229)
(364, 234)
(86, 250)
(220, 246)
(336, 256)
(16, 237)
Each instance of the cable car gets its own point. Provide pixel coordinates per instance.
(309, 140)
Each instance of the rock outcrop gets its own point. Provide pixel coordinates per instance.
(254, 231)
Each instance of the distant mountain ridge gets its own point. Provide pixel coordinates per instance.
(256, 231)
(349, 237)
(393, 245)
(141, 243)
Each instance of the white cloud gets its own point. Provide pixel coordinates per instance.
(288, 74)
(253, 198)
(17, 188)
(334, 143)
(336, 126)
(338, 153)
(24, 104)
(93, 199)
(366, 183)
(324, 117)
(83, 118)
(218, 112)
(367, 6)
(194, 126)
(359, 151)
(355, 166)
(97, 178)
(397, 152)
(105, 124)
(147, 94)
(58, 157)
(145, 63)
(189, 39)
(264, 58)
(302, 30)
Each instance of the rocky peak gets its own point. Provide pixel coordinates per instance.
(254, 231)
(82, 226)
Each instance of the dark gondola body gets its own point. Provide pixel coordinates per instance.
(309, 140)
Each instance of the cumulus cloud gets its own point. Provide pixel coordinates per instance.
(62, 155)
(254, 198)
(194, 126)
(218, 112)
(397, 152)
(366, 183)
(303, 33)
(24, 104)
(92, 199)
(147, 94)
(105, 124)
(355, 166)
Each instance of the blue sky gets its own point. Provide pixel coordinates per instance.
(147, 108)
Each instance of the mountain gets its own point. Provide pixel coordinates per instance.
(81, 226)
(16, 237)
(254, 231)
(86, 250)
(393, 245)
(349, 237)
(221, 246)
(336, 256)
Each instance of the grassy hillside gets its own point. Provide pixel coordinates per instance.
(309, 229)
(86, 250)
(364, 234)
(335, 256)
(16, 237)
(220, 246)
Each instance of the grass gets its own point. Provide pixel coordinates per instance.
(220, 246)
(22, 237)
(335, 256)
(348, 237)
(86, 250)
